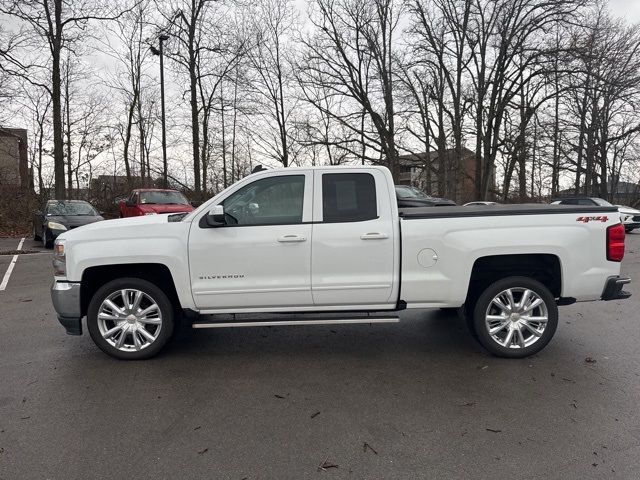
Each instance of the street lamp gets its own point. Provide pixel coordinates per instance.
(162, 38)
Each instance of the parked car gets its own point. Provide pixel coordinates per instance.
(630, 216)
(413, 197)
(585, 201)
(316, 240)
(151, 201)
(57, 216)
(479, 203)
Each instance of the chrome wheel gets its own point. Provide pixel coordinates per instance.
(129, 320)
(516, 318)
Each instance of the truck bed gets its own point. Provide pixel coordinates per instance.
(500, 211)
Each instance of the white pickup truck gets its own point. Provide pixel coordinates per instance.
(329, 245)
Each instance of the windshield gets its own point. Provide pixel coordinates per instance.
(602, 203)
(71, 208)
(163, 198)
(404, 191)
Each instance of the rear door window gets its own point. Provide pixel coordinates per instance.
(348, 197)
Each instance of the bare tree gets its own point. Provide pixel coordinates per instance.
(204, 44)
(352, 56)
(53, 26)
(270, 61)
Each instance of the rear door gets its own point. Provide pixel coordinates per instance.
(353, 254)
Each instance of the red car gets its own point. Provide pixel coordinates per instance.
(149, 201)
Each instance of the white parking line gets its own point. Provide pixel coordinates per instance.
(5, 280)
(7, 275)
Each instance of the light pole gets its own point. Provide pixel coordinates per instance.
(162, 38)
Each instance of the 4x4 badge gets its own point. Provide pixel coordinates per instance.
(592, 219)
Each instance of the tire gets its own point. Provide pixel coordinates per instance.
(126, 340)
(46, 241)
(520, 335)
(35, 235)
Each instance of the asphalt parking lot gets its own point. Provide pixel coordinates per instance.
(417, 399)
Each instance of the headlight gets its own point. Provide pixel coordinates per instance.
(56, 226)
(59, 259)
(150, 213)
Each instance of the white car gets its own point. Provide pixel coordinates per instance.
(630, 217)
(305, 243)
(479, 203)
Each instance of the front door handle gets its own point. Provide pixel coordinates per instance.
(292, 239)
(374, 236)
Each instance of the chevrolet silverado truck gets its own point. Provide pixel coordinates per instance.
(300, 246)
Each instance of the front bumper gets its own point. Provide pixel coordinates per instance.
(613, 288)
(66, 302)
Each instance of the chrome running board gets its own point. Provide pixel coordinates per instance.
(277, 323)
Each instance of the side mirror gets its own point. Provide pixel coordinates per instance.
(215, 217)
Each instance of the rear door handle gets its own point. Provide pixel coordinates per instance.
(292, 239)
(374, 236)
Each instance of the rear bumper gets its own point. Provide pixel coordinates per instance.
(613, 288)
(66, 302)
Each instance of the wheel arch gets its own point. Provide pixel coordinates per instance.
(545, 268)
(95, 277)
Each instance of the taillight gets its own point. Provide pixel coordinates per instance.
(615, 243)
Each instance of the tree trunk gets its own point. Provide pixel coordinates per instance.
(224, 140)
(67, 104)
(193, 86)
(58, 142)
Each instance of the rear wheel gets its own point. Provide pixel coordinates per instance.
(515, 317)
(130, 319)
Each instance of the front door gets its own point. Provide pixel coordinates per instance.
(353, 257)
(261, 258)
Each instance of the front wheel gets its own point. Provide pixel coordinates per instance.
(130, 319)
(515, 317)
(47, 241)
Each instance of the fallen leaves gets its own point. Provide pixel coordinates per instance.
(367, 446)
(326, 465)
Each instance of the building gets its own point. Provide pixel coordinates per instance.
(459, 177)
(14, 160)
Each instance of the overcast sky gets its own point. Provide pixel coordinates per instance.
(626, 8)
